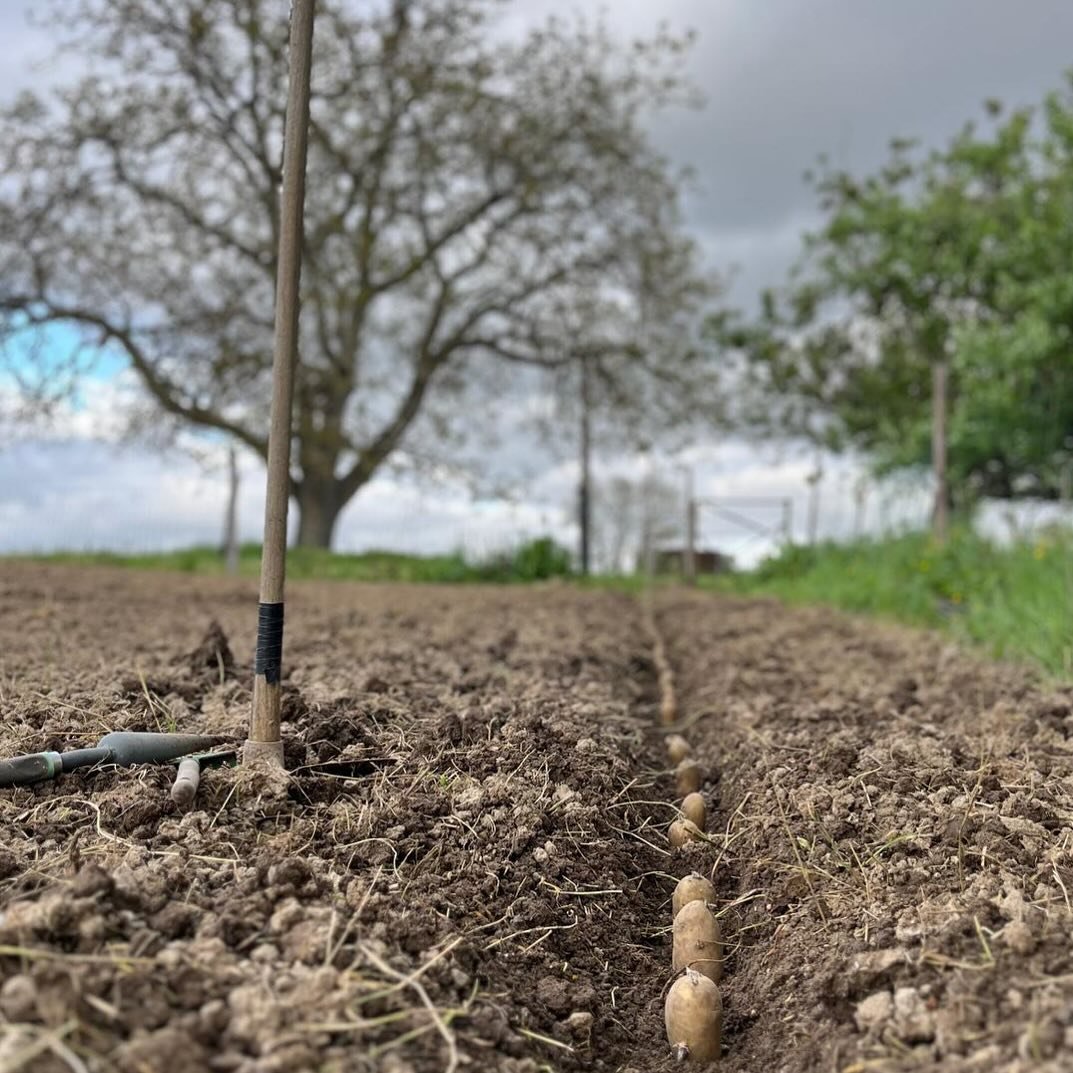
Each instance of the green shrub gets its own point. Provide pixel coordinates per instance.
(540, 559)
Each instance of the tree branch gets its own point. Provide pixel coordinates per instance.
(429, 360)
(166, 393)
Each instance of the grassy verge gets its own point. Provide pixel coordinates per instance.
(533, 561)
(1013, 600)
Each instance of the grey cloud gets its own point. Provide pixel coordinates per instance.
(786, 80)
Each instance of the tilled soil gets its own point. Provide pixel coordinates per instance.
(474, 883)
(896, 857)
(468, 866)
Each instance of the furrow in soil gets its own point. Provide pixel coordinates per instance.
(897, 857)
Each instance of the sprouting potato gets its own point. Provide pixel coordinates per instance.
(677, 748)
(695, 810)
(691, 888)
(693, 1014)
(687, 777)
(697, 942)
(683, 831)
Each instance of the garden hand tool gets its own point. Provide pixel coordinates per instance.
(120, 747)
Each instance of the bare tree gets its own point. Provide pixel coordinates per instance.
(463, 189)
(632, 518)
(659, 518)
(584, 491)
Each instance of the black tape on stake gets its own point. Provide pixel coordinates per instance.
(269, 656)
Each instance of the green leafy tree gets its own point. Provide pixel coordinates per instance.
(464, 187)
(956, 258)
(1014, 429)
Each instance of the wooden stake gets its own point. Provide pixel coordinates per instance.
(264, 740)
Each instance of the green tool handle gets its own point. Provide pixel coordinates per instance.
(26, 770)
(76, 758)
(116, 748)
(40, 767)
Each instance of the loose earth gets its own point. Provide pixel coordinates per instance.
(468, 866)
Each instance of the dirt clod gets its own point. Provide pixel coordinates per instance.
(875, 1011)
(213, 653)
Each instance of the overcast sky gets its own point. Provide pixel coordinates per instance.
(784, 80)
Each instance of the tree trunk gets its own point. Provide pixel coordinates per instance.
(940, 519)
(319, 507)
(231, 518)
(584, 490)
(689, 550)
(860, 496)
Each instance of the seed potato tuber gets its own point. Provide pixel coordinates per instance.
(682, 831)
(694, 810)
(677, 748)
(693, 1014)
(697, 942)
(691, 888)
(687, 777)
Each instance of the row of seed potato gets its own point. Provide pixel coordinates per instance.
(693, 1011)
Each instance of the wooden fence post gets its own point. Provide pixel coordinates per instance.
(940, 519)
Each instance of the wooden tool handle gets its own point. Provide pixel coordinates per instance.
(184, 789)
